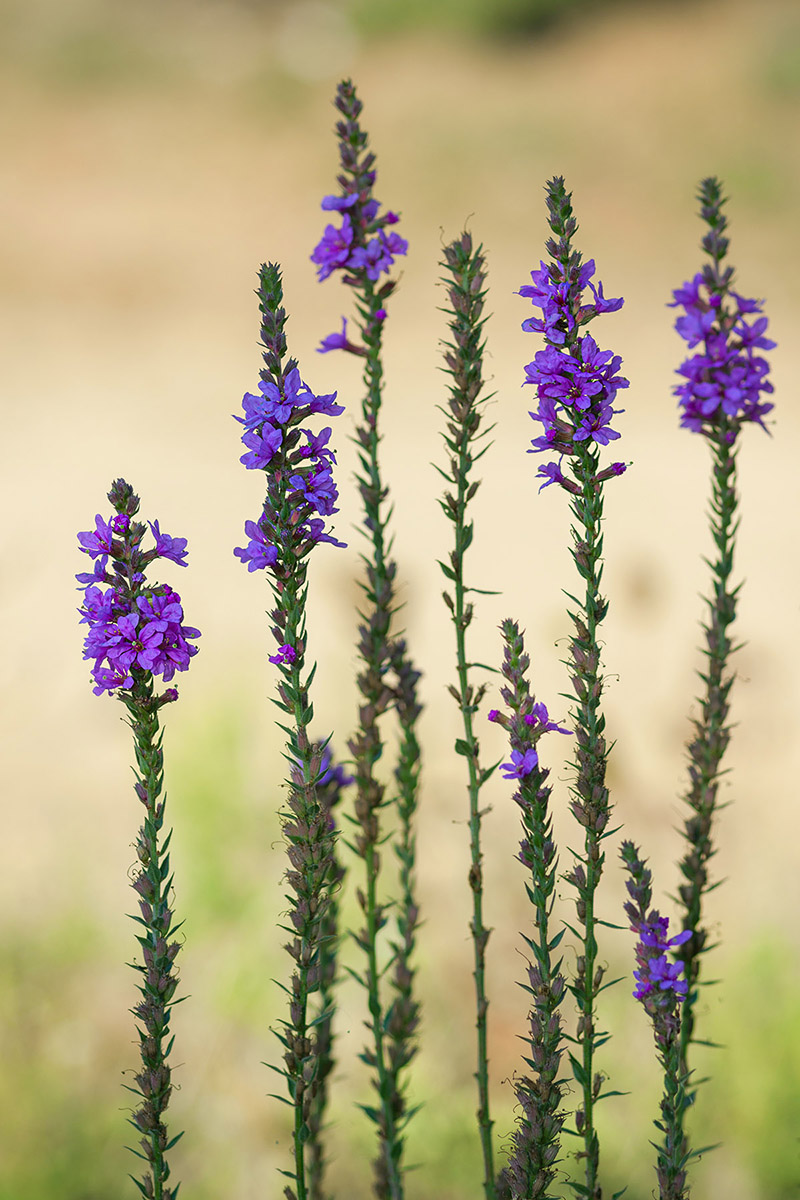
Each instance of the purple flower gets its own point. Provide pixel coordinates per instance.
(100, 541)
(494, 714)
(540, 718)
(97, 575)
(339, 203)
(656, 974)
(168, 547)
(726, 378)
(325, 406)
(333, 249)
(259, 551)
(576, 382)
(374, 258)
(521, 764)
(286, 654)
(133, 628)
(263, 445)
(335, 341)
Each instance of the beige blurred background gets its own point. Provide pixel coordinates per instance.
(153, 156)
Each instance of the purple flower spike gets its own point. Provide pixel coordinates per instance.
(576, 382)
(135, 629)
(722, 385)
(298, 464)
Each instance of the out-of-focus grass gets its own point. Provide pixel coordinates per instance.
(499, 19)
(67, 1035)
(63, 1106)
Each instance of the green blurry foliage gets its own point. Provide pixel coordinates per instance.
(500, 19)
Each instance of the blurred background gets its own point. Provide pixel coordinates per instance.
(153, 156)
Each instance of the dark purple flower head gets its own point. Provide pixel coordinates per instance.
(660, 982)
(725, 380)
(361, 248)
(135, 629)
(300, 483)
(576, 382)
(723, 383)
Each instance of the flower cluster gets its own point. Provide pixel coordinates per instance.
(301, 490)
(363, 246)
(576, 382)
(135, 628)
(655, 972)
(360, 246)
(525, 757)
(659, 983)
(725, 379)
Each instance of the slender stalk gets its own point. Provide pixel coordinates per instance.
(300, 493)
(661, 989)
(306, 829)
(153, 884)
(366, 745)
(711, 731)
(464, 362)
(403, 1014)
(536, 1141)
(577, 384)
(136, 632)
(720, 391)
(362, 249)
(329, 787)
(590, 804)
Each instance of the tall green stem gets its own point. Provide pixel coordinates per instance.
(711, 730)
(590, 803)
(152, 884)
(367, 745)
(464, 362)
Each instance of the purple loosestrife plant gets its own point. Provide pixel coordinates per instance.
(301, 494)
(721, 390)
(363, 248)
(463, 357)
(536, 1141)
(135, 634)
(661, 988)
(576, 385)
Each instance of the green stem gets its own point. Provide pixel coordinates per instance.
(159, 980)
(305, 825)
(464, 362)
(711, 731)
(590, 795)
(367, 745)
(672, 1155)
